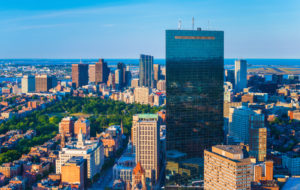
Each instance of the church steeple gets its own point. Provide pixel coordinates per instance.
(80, 142)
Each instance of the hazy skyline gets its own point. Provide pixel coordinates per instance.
(125, 29)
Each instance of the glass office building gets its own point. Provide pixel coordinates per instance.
(194, 84)
(146, 71)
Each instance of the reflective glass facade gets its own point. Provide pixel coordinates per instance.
(146, 71)
(194, 84)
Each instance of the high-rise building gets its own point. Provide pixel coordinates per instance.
(84, 125)
(146, 71)
(240, 75)
(128, 78)
(239, 118)
(98, 73)
(118, 78)
(141, 95)
(226, 167)
(66, 126)
(74, 172)
(80, 75)
(92, 73)
(91, 150)
(161, 85)
(111, 80)
(229, 76)
(122, 74)
(28, 83)
(146, 143)
(244, 121)
(156, 73)
(194, 89)
(258, 137)
(134, 83)
(43, 83)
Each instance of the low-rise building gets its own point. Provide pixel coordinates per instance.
(91, 150)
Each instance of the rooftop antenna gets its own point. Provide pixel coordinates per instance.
(208, 25)
(179, 25)
(193, 23)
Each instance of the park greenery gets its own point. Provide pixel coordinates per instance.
(103, 113)
(281, 125)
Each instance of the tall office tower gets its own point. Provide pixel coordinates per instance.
(194, 89)
(243, 120)
(258, 137)
(28, 83)
(43, 83)
(66, 126)
(240, 75)
(239, 118)
(161, 85)
(122, 69)
(98, 73)
(226, 167)
(128, 78)
(80, 75)
(146, 143)
(84, 125)
(229, 76)
(141, 95)
(146, 71)
(135, 83)
(157, 73)
(111, 80)
(74, 172)
(118, 78)
(92, 73)
(103, 70)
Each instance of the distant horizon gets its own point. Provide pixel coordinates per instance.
(131, 58)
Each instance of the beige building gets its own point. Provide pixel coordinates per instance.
(228, 105)
(145, 140)
(141, 95)
(28, 83)
(161, 85)
(226, 168)
(135, 83)
(73, 172)
(91, 150)
(92, 73)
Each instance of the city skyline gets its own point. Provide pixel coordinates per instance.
(78, 29)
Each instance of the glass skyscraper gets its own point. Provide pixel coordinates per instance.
(146, 71)
(194, 84)
(240, 73)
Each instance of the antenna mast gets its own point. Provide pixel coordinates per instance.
(208, 25)
(179, 25)
(193, 23)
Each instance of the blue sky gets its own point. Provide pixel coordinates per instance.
(125, 29)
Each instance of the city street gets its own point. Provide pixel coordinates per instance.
(104, 181)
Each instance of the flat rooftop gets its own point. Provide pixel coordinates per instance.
(234, 149)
